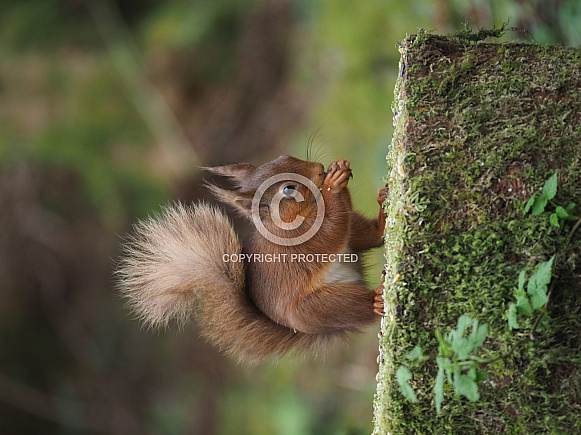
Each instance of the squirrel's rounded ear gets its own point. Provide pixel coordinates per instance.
(238, 171)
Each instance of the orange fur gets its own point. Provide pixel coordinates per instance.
(173, 266)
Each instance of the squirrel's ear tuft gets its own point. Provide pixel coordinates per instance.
(240, 200)
(238, 172)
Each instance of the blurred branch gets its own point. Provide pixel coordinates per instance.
(169, 135)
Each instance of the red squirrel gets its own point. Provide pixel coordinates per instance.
(266, 297)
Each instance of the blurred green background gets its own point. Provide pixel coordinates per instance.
(107, 108)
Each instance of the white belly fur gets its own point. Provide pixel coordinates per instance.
(343, 272)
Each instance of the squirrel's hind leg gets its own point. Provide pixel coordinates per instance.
(334, 307)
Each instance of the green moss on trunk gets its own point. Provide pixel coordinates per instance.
(479, 129)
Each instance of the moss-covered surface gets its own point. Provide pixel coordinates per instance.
(479, 128)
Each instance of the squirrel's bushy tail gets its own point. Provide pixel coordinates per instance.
(174, 265)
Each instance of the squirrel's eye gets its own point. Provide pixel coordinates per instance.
(289, 189)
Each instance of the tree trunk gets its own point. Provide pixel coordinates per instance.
(480, 128)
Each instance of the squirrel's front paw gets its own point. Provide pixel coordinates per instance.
(338, 176)
(382, 195)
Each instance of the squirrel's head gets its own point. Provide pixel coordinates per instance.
(286, 186)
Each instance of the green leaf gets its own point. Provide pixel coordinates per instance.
(439, 336)
(561, 212)
(464, 322)
(460, 345)
(481, 375)
(448, 368)
(570, 207)
(439, 385)
(523, 305)
(478, 335)
(537, 285)
(472, 373)
(403, 375)
(540, 204)
(530, 203)
(415, 354)
(544, 271)
(443, 345)
(512, 323)
(534, 288)
(550, 187)
(466, 386)
(554, 220)
(462, 348)
(539, 300)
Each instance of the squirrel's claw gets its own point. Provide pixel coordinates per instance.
(378, 302)
(382, 195)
